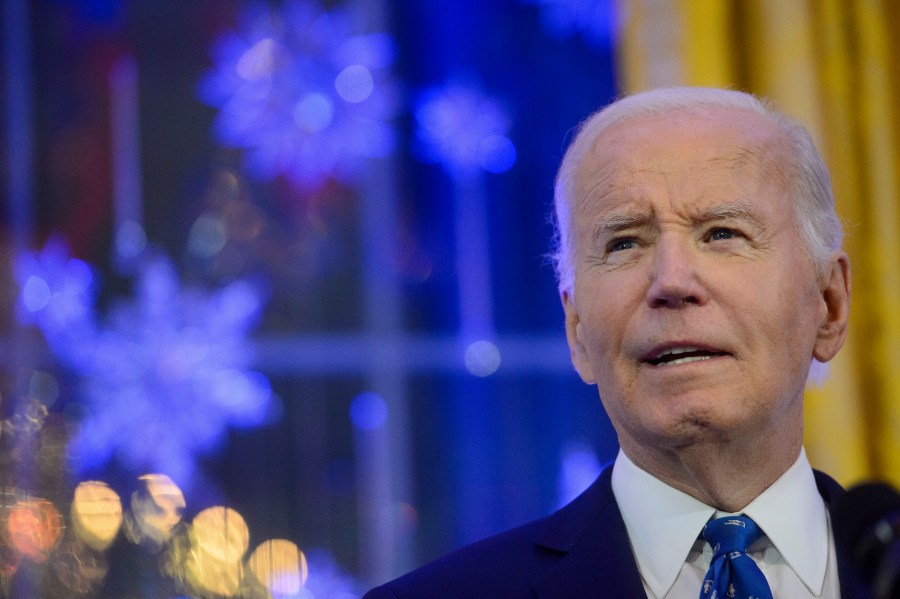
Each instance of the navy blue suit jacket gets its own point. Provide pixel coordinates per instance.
(579, 552)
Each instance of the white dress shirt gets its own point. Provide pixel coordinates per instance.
(796, 553)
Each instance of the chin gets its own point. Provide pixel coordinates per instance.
(697, 427)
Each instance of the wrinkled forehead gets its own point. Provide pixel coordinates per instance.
(717, 144)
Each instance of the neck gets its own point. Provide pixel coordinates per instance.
(727, 475)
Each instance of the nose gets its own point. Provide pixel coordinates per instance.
(675, 280)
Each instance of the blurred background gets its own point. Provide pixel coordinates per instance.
(277, 314)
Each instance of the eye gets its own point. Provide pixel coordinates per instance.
(617, 245)
(722, 233)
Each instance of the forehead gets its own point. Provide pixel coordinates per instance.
(736, 150)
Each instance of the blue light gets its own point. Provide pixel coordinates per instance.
(368, 411)
(464, 130)
(302, 93)
(163, 375)
(131, 240)
(313, 112)
(354, 83)
(327, 580)
(596, 20)
(36, 294)
(258, 61)
(482, 358)
(208, 236)
(579, 468)
(57, 291)
(498, 154)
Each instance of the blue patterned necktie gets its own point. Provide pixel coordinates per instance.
(732, 573)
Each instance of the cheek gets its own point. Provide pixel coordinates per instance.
(596, 335)
(605, 326)
(784, 343)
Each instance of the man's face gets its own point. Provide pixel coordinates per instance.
(696, 308)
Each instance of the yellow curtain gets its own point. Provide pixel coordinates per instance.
(829, 63)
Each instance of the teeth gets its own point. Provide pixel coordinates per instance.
(685, 360)
(677, 350)
(682, 355)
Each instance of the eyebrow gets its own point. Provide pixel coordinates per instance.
(728, 211)
(614, 223)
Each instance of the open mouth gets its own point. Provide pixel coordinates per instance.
(672, 356)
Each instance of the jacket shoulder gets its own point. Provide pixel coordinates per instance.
(504, 565)
(499, 566)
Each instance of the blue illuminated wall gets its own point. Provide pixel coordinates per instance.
(490, 447)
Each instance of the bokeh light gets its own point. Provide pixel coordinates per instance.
(482, 358)
(463, 129)
(33, 527)
(222, 533)
(56, 292)
(279, 566)
(579, 469)
(156, 508)
(355, 83)
(208, 236)
(43, 387)
(368, 411)
(219, 538)
(36, 294)
(96, 514)
(131, 240)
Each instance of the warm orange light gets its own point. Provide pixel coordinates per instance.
(33, 527)
(279, 566)
(156, 508)
(219, 539)
(221, 533)
(96, 514)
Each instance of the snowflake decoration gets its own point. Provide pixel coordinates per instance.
(464, 130)
(595, 20)
(302, 93)
(163, 375)
(57, 294)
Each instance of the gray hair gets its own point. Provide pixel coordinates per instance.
(819, 224)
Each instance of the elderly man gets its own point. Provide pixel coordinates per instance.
(701, 276)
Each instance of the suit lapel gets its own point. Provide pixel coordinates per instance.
(851, 583)
(595, 555)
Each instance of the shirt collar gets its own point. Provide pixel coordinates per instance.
(792, 514)
(663, 523)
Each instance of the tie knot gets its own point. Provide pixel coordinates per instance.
(732, 533)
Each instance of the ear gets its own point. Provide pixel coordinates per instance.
(577, 349)
(836, 296)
